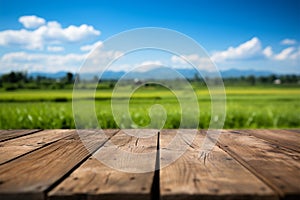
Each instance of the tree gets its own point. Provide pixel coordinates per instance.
(251, 79)
(14, 77)
(196, 77)
(69, 77)
(272, 78)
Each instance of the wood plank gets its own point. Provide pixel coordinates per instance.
(284, 138)
(33, 174)
(217, 177)
(10, 134)
(95, 180)
(14, 148)
(293, 130)
(277, 166)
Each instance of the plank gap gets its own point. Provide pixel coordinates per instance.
(29, 152)
(9, 136)
(251, 169)
(155, 189)
(276, 137)
(220, 177)
(99, 181)
(76, 166)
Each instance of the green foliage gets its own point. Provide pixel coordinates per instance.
(252, 102)
(21, 80)
(250, 107)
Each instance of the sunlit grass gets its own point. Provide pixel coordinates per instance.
(246, 108)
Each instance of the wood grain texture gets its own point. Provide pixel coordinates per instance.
(294, 130)
(284, 138)
(34, 173)
(95, 180)
(245, 164)
(14, 148)
(277, 166)
(10, 134)
(217, 177)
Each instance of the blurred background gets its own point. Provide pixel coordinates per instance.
(255, 44)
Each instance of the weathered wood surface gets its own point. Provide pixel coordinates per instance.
(33, 174)
(96, 180)
(55, 164)
(22, 145)
(285, 138)
(10, 134)
(218, 176)
(277, 166)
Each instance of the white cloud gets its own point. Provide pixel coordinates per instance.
(91, 47)
(55, 48)
(99, 60)
(202, 63)
(49, 33)
(284, 54)
(47, 62)
(177, 59)
(184, 58)
(32, 21)
(249, 49)
(21, 38)
(148, 65)
(20, 61)
(252, 49)
(296, 55)
(268, 52)
(288, 41)
(142, 66)
(150, 62)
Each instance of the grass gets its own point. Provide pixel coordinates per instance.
(251, 107)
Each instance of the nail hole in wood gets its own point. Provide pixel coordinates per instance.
(263, 188)
(196, 180)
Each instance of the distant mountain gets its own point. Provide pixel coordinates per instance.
(48, 75)
(113, 75)
(239, 73)
(166, 73)
(156, 73)
(159, 73)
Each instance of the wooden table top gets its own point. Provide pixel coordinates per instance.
(55, 164)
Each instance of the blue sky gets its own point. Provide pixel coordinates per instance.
(57, 35)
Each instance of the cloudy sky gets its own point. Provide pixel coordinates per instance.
(51, 36)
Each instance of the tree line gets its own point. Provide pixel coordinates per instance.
(21, 80)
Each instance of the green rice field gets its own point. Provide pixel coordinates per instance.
(248, 107)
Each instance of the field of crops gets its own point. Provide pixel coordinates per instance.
(249, 107)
